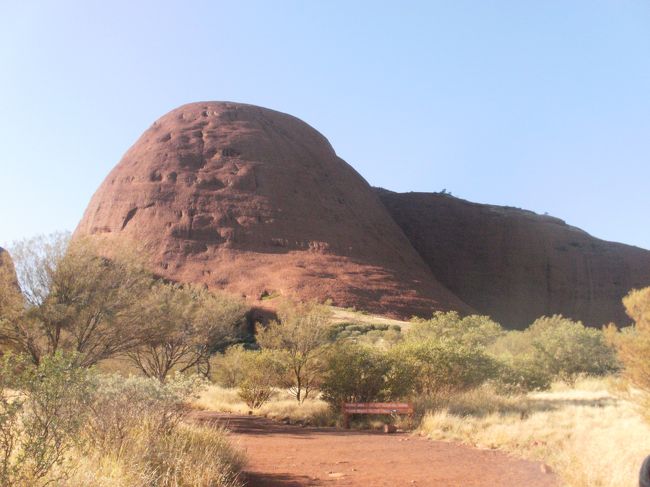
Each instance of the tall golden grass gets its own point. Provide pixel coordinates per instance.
(281, 406)
(588, 435)
(191, 456)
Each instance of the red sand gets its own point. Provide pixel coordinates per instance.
(292, 456)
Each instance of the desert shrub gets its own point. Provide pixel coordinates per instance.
(121, 406)
(355, 373)
(567, 349)
(261, 370)
(62, 424)
(136, 427)
(433, 366)
(552, 348)
(470, 331)
(299, 341)
(521, 373)
(226, 368)
(42, 410)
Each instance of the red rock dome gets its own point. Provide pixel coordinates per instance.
(256, 202)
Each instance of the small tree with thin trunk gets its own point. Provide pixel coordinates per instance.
(299, 339)
(190, 322)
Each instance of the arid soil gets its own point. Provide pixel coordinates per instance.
(516, 265)
(292, 456)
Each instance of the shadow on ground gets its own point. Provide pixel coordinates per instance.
(255, 479)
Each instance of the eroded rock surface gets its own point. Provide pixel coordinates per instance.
(256, 202)
(516, 265)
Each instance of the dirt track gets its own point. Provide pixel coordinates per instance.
(291, 456)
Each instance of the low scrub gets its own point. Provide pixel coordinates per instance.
(65, 425)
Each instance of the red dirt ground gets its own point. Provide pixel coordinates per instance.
(282, 455)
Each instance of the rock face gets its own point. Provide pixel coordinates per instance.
(516, 265)
(257, 203)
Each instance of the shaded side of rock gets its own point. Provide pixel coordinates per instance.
(516, 265)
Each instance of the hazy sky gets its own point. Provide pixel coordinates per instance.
(543, 105)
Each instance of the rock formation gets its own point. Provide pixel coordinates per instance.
(257, 203)
(516, 265)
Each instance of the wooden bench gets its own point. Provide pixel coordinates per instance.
(350, 408)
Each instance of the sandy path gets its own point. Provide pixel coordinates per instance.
(291, 456)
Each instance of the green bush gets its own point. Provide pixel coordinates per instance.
(260, 373)
(552, 348)
(470, 331)
(432, 366)
(227, 369)
(42, 410)
(567, 349)
(355, 373)
(521, 373)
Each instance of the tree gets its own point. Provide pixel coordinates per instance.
(633, 345)
(76, 300)
(190, 323)
(299, 339)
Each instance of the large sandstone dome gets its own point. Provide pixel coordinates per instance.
(256, 202)
(516, 265)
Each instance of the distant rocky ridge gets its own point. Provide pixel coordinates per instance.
(516, 265)
(256, 202)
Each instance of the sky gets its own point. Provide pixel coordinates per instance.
(543, 105)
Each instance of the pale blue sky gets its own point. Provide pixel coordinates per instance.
(543, 105)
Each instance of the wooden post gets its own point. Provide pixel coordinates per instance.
(346, 417)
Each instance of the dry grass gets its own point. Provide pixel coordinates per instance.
(587, 435)
(191, 456)
(281, 406)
